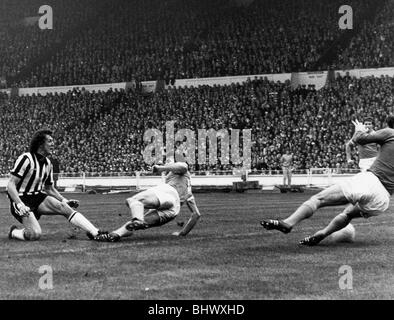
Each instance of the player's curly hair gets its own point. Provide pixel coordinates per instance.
(390, 121)
(38, 139)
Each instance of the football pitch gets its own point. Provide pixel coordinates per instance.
(227, 256)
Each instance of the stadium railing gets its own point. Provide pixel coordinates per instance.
(83, 181)
(313, 78)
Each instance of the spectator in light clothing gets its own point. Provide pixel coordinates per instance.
(286, 162)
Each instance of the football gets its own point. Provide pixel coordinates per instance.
(346, 234)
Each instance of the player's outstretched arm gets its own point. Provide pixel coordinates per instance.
(378, 137)
(191, 204)
(178, 167)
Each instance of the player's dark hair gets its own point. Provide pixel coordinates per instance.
(369, 119)
(38, 139)
(390, 121)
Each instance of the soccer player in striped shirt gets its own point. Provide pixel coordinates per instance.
(366, 194)
(32, 194)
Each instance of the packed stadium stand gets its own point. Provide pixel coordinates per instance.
(103, 132)
(374, 46)
(177, 39)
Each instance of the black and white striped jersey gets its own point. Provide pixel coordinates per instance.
(35, 171)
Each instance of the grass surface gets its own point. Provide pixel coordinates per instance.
(227, 256)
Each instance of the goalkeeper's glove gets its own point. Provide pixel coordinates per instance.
(359, 126)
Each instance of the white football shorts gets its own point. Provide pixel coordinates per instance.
(170, 204)
(366, 190)
(365, 164)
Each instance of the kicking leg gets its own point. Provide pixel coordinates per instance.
(151, 219)
(332, 196)
(148, 199)
(338, 223)
(52, 206)
(115, 235)
(137, 204)
(141, 201)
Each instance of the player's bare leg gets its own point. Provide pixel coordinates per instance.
(336, 224)
(151, 219)
(123, 232)
(140, 202)
(137, 205)
(52, 206)
(146, 200)
(332, 196)
(31, 230)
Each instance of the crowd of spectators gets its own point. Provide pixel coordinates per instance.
(103, 131)
(104, 42)
(23, 43)
(373, 47)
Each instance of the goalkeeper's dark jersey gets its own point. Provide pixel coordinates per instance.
(383, 166)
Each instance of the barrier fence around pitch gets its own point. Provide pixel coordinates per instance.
(319, 177)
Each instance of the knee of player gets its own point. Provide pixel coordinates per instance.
(130, 201)
(314, 202)
(135, 200)
(321, 197)
(346, 215)
(63, 208)
(32, 234)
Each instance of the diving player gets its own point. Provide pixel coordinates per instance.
(160, 204)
